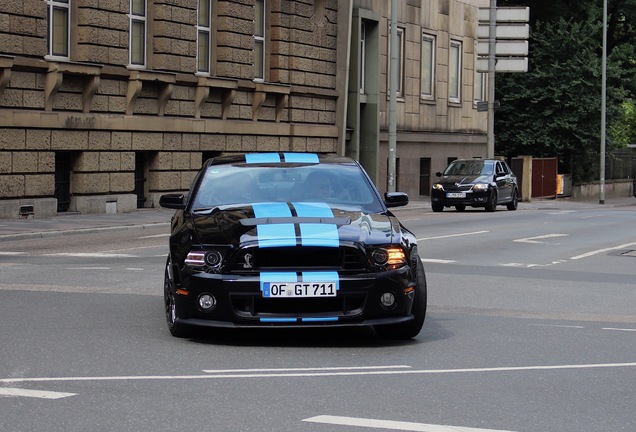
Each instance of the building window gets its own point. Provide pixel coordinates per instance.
(204, 32)
(137, 16)
(363, 56)
(428, 66)
(259, 40)
(455, 71)
(400, 61)
(425, 176)
(479, 87)
(58, 28)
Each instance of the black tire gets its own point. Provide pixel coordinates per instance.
(437, 207)
(411, 328)
(512, 205)
(460, 208)
(491, 204)
(169, 292)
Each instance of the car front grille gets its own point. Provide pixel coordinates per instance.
(256, 259)
(458, 188)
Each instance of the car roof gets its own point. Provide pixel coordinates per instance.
(281, 157)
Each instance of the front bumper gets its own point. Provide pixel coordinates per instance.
(473, 199)
(240, 302)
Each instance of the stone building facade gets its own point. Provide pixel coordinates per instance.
(95, 124)
(105, 105)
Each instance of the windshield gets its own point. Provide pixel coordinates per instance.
(469, 168)
(336, 184)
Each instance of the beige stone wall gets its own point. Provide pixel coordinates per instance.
(104, 113)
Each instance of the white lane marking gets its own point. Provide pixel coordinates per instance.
(134, 268)
(538, 239)
(4, 391)
(319, 374)
(533, 265)
(90, 255)
(452, 235)
(437, 261)
(392, 425)
(11, 253)
(88, 268)
(308, 369)
(155, 236)
(620, 329)
(596, 252)
(557, 325)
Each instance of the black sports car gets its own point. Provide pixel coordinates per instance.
(476, 183)
(291, 240)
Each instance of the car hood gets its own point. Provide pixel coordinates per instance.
(461, 179)
(310, 224)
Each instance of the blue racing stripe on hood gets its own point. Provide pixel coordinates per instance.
(317, 234)
(274, 235)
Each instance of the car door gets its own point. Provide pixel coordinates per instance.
(504, 182)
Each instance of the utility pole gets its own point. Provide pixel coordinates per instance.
(394, 71)
(601, 199)
(492, 29)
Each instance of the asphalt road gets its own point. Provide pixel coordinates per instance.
(531, 327)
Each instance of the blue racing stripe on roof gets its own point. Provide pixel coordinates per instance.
(262, 158)
(301, 157)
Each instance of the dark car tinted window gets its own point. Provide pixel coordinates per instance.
(469, 168)
(242, 183)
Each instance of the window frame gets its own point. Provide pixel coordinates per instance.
(401, 31)
(134, 18)
(52, 6)
(260, 39)
(432, 66)
(452, 97)
(362, 58)
(203, 29)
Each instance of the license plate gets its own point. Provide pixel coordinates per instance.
(456, 195)
(299, 289)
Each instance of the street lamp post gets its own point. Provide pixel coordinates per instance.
(603, 105)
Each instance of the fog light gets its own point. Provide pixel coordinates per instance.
(387, 300)
(207, 302)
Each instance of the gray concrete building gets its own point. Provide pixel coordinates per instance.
(105, 105)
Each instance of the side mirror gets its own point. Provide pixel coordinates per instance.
(173, 201)
(438, 173)
(396, 199)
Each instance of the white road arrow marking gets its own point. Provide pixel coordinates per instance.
(538, 239)
(392, 425)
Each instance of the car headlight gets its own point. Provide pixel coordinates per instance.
(438, 186)
(390, 258)
(204, 260)
(480, 187)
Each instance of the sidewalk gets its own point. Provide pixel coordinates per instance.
(65, 224)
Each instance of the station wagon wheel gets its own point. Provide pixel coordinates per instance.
(437, 207)
(491, 204)
(512, 205)
(176, 329)
(411, 328)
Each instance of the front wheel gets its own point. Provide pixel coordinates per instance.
(169, 292)
(411, 328)
(491, 204)
(437, 207)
